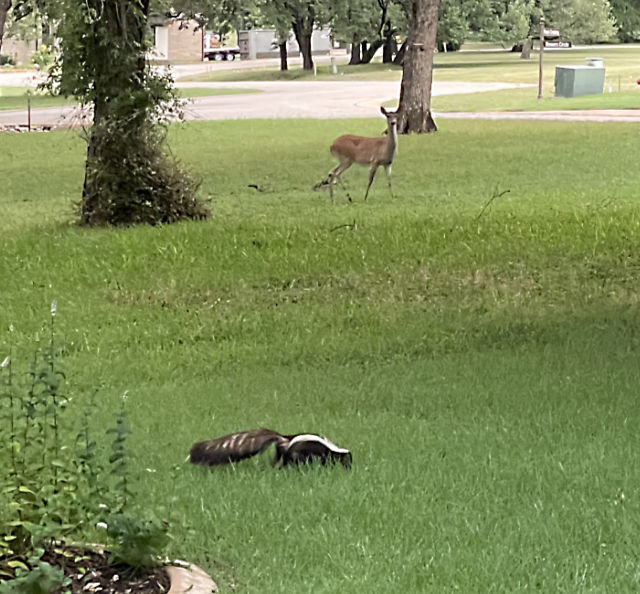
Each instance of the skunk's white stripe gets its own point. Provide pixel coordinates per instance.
(318, 439)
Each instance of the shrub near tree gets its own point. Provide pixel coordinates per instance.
(130, 176)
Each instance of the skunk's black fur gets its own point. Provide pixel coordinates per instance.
(300, 448)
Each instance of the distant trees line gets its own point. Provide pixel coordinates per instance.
(369, 25)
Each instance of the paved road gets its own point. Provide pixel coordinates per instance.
(291, 99)
(294, 99)
(307, 99)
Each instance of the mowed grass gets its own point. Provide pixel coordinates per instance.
(497, 65)
(526, 100)
(18, 97)
(482, 365)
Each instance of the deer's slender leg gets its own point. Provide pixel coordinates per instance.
(372, 174)
(329, 177)
(345, 189)
(335, 175)
(387, 170)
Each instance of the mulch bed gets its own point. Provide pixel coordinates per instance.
(90, 572)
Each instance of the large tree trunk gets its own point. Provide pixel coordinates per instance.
(284, 65)
(526, 49)
(370, 51)
(399, 59)
(417, 70)
(124, 28)
(302, 29)
(390, 46)
(387, 50)
(128, 177)
(356, 55)
(5, 5)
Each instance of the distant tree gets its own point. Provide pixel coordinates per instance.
(517, 23)
(19, 9)
(453, 24)
(302, 17)
(5, 6)
(581, 21)
(513, 22)
(389, 20)
(219, 16)
(281, 22)
(369, 25)
(354, 22)
(415, 92)
(627, 17)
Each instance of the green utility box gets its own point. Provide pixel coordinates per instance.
(572, 81)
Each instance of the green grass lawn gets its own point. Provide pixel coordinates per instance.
(481, 365)
(16, 97)
(526, 100)
(497, 65)
(373, 71)
(621, 64)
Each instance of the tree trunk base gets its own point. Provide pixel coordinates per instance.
(356, 55)
(414, 111)
(526, 50)
(284, 64)
(417, 125)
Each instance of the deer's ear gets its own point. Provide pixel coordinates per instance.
(383, 110)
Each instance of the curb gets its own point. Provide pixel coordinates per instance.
(190, 579)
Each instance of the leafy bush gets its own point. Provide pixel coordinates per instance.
(44, 58)
(41, 578)
(50, 485)
(138, 539)
(7, 61)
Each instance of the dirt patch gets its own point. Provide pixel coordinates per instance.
(90, 571)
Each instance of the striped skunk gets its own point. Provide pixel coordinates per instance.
(301, 448)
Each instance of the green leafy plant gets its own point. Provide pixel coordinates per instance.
(138, 538)
(43, 58)
(39, 578)
(52, 487)
(41, 490)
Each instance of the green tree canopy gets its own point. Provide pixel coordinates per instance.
(581, 21)
(627, 17)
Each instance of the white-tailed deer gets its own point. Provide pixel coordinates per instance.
(373, 152)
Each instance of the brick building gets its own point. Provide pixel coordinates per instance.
(177, 40)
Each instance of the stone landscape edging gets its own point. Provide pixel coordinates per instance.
(188, 578)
